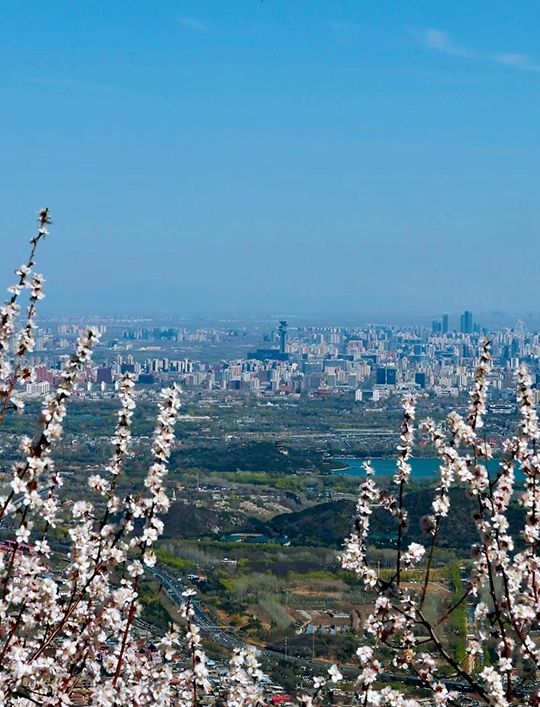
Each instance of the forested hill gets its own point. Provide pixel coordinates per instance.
(328, 524)
(248, 456)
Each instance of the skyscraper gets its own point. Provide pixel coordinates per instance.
(282, 336)
(466, 322)
(386, 376)
(445, 324)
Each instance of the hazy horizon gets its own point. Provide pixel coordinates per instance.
(333, 159)
(268, 320)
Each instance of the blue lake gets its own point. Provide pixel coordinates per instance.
(424, 468)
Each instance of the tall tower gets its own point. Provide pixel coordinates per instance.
(282, 335)
(466, 322)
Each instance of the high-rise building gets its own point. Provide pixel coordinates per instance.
(445, 324)
(282, 336)
(104, 375)
(420, 379)
(386, 376)
(466, 322)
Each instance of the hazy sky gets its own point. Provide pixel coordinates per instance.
(344, 157)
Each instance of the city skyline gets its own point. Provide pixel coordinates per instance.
(373, 362)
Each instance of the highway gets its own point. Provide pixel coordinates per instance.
(174, 587)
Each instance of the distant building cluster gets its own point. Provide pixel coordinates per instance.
(372, 362)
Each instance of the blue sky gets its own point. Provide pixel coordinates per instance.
(344, 158)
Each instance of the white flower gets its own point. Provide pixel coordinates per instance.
(414, 554)
(335, 675)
